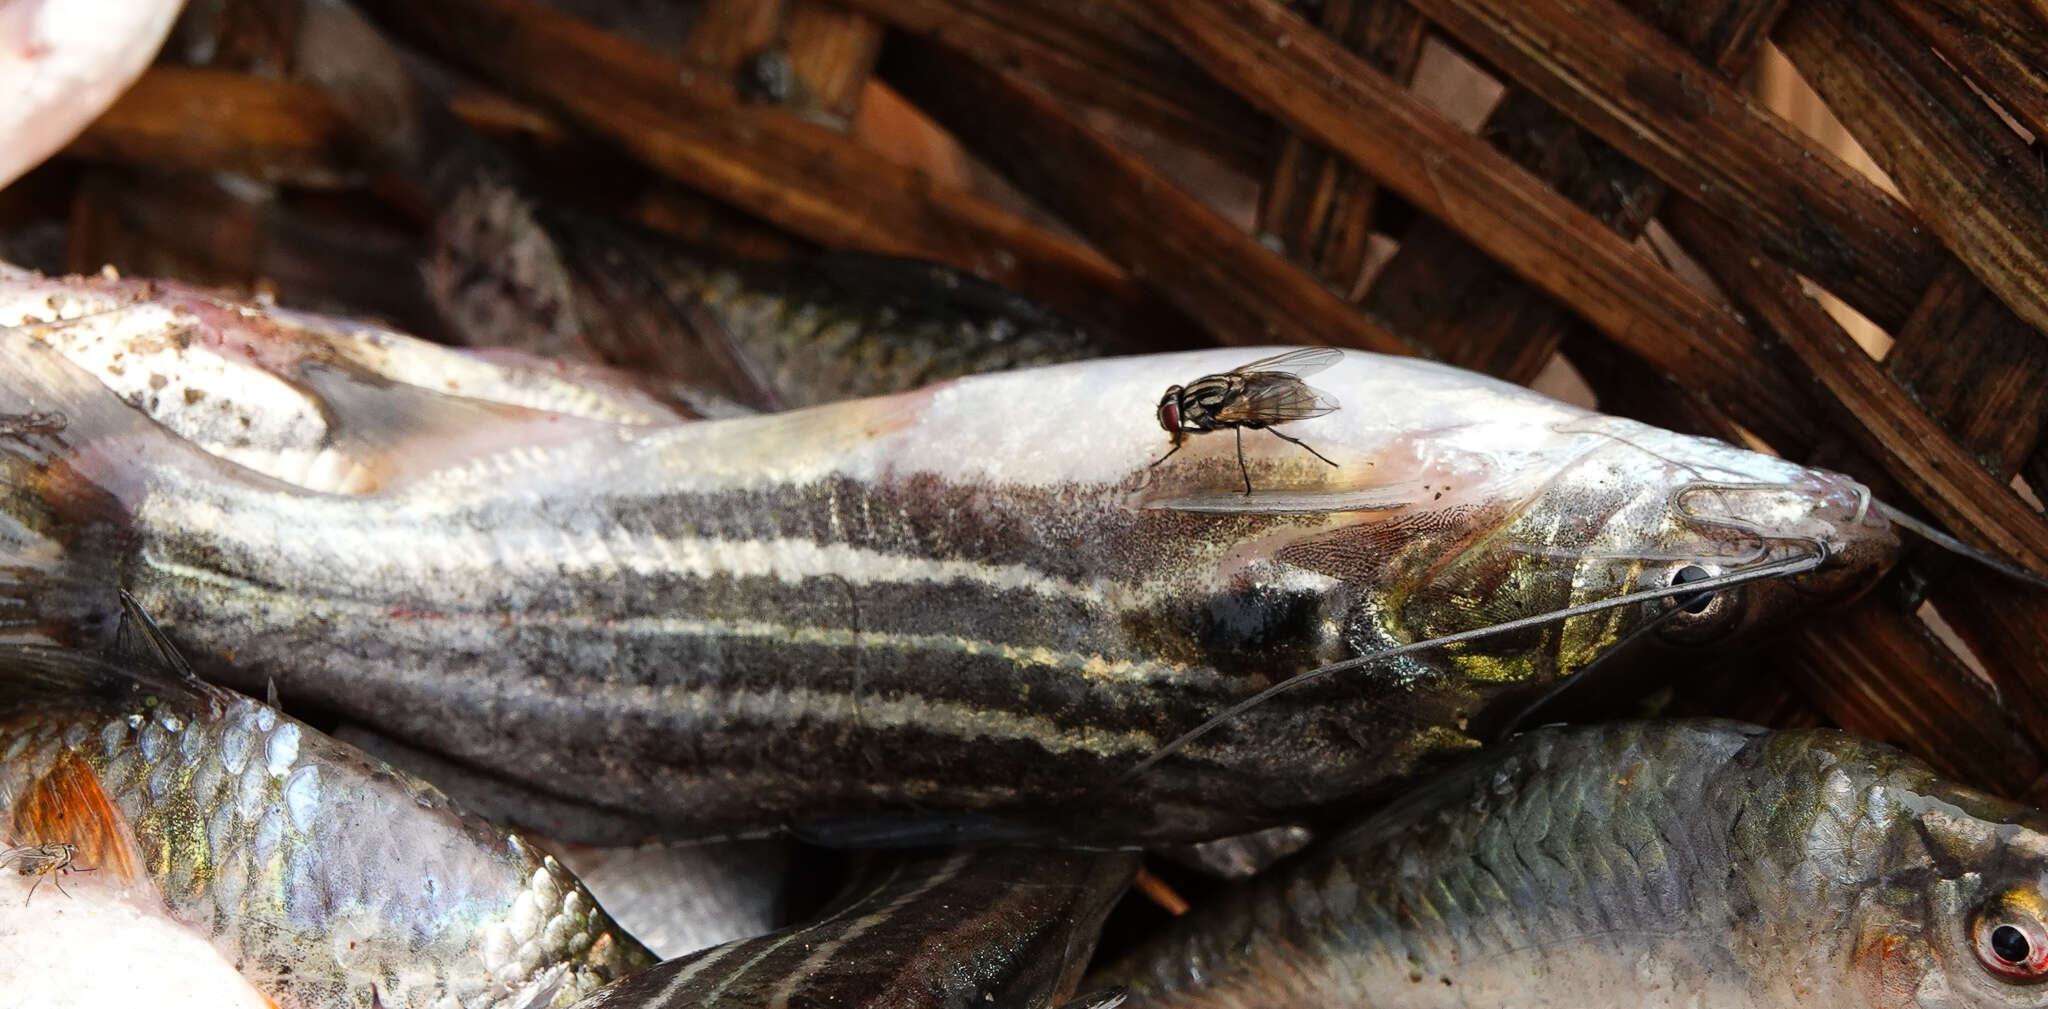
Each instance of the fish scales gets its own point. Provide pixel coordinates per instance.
(936, 602)
(328, 878)
(1636, 864)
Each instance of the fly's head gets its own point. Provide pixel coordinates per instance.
(1169, 410)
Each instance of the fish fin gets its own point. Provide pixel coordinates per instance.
(394, 434)
(914, 830)
(35, 674)
(66, 805)
(1104, 998)
(63, 529)
(138, 639)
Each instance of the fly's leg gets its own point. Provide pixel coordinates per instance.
(1303, 444)
(1246, 473)
(1177, 443)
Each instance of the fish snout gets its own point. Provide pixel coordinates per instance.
(1860, 541)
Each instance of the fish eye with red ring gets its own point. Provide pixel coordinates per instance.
(2012, 941)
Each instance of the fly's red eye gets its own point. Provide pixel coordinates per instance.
(1169, 409)
(2012, 942)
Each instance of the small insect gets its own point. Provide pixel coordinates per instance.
(1258, 395)
(40, 860)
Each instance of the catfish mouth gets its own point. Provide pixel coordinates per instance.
(1821, 513)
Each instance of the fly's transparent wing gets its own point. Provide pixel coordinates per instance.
(1299, 363)
(1272, 397)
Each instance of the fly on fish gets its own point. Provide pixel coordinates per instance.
(40, 861)
(1257, 396)
(872, 616)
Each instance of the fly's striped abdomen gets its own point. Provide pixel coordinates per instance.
(997, 927)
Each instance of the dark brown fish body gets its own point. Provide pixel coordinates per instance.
(1001, 928)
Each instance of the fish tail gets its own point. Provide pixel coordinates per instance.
(62, 533)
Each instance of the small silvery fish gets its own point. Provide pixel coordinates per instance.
(1641, 865)
(326, 878)
(1005, 928)
(978, 599)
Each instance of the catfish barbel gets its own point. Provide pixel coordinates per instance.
(977, 599)
(325, 877)
(1641, 865)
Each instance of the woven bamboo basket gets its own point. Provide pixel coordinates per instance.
(1637, 203)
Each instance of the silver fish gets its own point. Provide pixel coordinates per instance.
(1642, 865)
(977, 600)
(328, 879)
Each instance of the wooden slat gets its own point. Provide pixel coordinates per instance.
(833, 51)
(2016, 23)
(1241, 291)
(2020, 86)
(1324, 92)
(729, 31)
(1982, 191)
(1665, 110)
(221, 121)
(805, 178)
(1976, 368)
(1091, 54)
(1984, 375)
(1884, 421)
(1879, 673)
(1318, 206)
(1441, 292)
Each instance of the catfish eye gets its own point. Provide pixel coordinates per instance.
(1686, 576)
(1694, 618)
(2012, 941)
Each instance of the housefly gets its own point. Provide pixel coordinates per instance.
(40, 860)
(1258, 395)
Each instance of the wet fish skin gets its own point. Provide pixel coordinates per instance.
(976, 600)
(327, 878)
(1635, 864)
(1005, 928)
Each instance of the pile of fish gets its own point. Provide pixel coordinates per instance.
(995, 646)
(865, 656)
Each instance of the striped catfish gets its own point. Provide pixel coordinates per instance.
(1641, 866)
(979, 603)
(998, 928)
